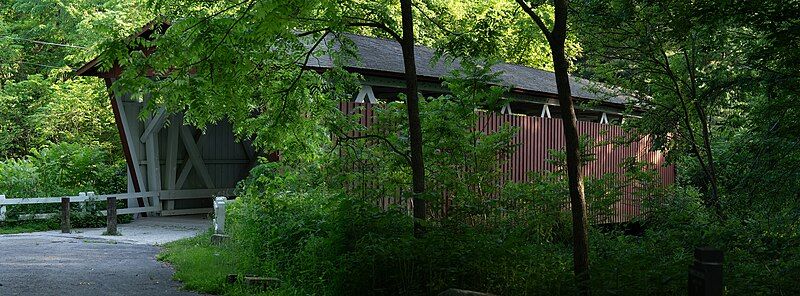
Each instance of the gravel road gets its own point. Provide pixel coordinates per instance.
(50, 263)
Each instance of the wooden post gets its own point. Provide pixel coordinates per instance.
(173, 139)
(111, 216)
(705, 275)
(65, 215)
(2, 207)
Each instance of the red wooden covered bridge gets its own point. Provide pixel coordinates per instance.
(187, 167)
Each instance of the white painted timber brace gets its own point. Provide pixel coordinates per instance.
(545, 112)
(506, 109)
(603, 118)
(126, 128)
(219, 214)
(173, 139)
(154, 125)
(153, 166)
(195, 157)
(366, 92)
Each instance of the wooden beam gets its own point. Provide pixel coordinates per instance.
(545, 111)
(366, 93)
(154, 125)
(195, 156)
(187, 166)
(173, 137)
(127, 144)
(188, 211)
(153, 168)
(252, 159)
(207, 161)
(603, 118)
(196, 193)
(506, 109)
(248, 150)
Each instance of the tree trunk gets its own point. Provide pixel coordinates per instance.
(711, 171)
(414, 125)
(580, 251)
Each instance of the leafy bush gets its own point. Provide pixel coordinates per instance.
(326, 228)
(66, 168)
(325, 242)
(62, 169)
(19, 178)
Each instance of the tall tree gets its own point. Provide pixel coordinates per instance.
(556, 37)
(414, 121)
(673, 64)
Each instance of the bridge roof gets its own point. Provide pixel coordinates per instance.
(383, 57)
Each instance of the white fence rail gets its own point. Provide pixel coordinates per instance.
(81, 197)
(84, 197)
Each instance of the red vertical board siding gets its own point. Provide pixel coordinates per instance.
(536, 136)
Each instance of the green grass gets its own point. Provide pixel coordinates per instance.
(27, 226)
(203, 267)
(77, 221)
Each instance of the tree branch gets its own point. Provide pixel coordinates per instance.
(535, 17)
(377, 25)
(383, 139)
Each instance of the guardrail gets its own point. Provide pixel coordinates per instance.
(156, 197)
(81, 197)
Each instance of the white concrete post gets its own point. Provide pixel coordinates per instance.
(2, 207)
(219, 214)
(82, 205)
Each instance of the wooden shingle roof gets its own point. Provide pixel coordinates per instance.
(384, 55)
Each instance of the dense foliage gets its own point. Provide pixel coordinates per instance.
(299, 223)
(714, 82)
(57, 135)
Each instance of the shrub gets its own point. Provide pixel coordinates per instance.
(62, 169)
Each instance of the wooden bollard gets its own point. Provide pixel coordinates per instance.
(111, 216)
(705, 274)
(65, 215)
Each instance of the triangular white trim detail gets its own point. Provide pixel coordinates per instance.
(506, 109)
(545, 112)
(603, 118)
(366, 92)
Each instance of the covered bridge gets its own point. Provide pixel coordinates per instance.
(185, 167)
